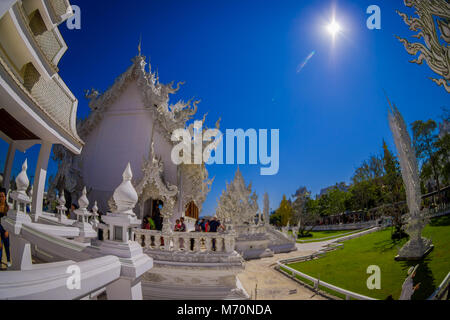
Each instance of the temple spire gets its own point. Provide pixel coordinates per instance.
(140, 45)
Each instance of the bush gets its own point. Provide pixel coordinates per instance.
(305, 235)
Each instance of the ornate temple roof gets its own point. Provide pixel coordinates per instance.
(155, 97)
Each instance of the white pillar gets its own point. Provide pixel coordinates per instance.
(40, 177)
(9, 164)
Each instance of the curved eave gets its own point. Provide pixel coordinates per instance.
(47, 18)
(56, 19)
(20, 104)
(40, 61)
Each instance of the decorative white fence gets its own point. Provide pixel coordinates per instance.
(442, 292)
(317, 283)
(194, 242)
(440, 210)
(346, 226)
(332, 246)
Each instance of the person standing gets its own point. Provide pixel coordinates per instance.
(3, 233)
(182, 225)
(213, 225)
(72, 214)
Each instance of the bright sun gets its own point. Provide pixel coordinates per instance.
(333, 28)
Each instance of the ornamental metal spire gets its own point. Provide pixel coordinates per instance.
(417, 246)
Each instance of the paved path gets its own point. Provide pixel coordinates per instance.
(271, 284)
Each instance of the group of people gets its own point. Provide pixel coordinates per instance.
(201, 225)
(179, 225)
(205, 225)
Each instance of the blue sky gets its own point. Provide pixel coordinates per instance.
(240, 58)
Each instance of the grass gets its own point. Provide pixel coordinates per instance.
(347, 267)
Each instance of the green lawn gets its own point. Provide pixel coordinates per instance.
(346, 267)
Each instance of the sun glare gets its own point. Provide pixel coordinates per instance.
(333, 28)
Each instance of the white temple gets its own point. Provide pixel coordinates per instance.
(132, 122)
(128, 131)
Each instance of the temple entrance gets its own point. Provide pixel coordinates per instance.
(152, 209)
(191, 210)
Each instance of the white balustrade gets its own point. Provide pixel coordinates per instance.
(193, 242)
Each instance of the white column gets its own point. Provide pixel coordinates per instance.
(9, 164)
(40, 177)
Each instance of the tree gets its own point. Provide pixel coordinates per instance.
(300, 197)
(425, 144)
(303, 217)
(393, 190)
(284, 211)
(275, 219)
(443, 145)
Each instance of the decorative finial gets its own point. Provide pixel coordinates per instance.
(139, 45)
(22, 181)
(95, 208)
(127, 174)
(125, 196)
(62, 199)
(83, 202)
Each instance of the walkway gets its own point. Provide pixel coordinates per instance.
(271, 284)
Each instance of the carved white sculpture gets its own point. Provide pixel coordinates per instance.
(86, 231)
(125, 196)
(121, 220)
(61, 207)
(152, 186)
(20, 198)
(237, 205)
(417, 246)
(436, 55)
(95, 219)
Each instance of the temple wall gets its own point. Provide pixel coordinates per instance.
(122, 136)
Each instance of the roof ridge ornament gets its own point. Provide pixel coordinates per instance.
(140, 45)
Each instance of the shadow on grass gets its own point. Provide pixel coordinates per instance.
(440, 221)
(424, 276)
(388, 244)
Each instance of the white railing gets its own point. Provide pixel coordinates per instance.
(194, 242)
(346, 226)
(348, 294)
(439, 293)
(440, 210)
